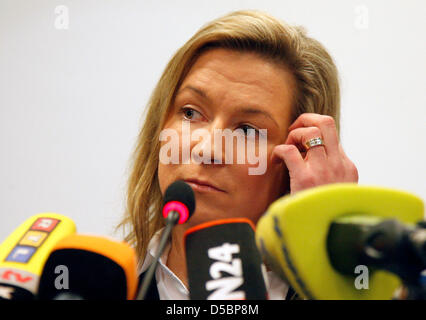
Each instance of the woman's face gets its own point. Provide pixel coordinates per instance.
(227, 89)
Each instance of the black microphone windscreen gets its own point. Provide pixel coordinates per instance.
(223, 261)
(91, 268)
(181, 191)
(90, 275)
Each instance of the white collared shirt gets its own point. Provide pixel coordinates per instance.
(170, 287)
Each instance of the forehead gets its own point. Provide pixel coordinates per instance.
(240, 67)
(233, 78)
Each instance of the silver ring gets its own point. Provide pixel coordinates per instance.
(315, 142)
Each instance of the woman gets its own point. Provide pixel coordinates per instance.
(245, 71)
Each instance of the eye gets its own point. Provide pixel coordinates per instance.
(190, 114)
(246, 129)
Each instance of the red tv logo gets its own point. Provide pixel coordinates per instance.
(10, 274)
(45, 224)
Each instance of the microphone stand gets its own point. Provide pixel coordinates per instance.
(171, 220)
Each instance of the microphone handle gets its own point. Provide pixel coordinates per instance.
(171, 221)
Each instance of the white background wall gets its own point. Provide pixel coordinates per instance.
(71, 99)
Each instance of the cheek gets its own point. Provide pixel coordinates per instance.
(162, 175)
(271, 178)
(256, 192)
(275, 181)
(166, 171)
(166, 175)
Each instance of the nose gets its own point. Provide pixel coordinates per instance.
(205, 148)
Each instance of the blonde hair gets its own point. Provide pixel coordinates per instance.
(317, 90)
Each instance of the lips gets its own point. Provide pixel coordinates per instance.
(203, 186)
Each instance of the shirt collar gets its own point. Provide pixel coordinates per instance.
(165, 277)
(152, 250)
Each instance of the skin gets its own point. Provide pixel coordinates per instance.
(232, 81)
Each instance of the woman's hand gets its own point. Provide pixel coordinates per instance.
(319, 165)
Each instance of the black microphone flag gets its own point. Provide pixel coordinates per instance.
(223, 262)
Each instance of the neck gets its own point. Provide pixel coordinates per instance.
(176, 260)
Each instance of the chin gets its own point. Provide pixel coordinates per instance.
(203, 215)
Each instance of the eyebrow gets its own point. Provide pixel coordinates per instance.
(247, 110)
(257, 111)
(198, 91)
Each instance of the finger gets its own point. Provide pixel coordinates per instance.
(351, 169)
(291, 157)
(300, 136)
(327, 126)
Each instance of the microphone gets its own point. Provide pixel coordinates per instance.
(24, 252)
(86, 267)
(320, 239)
(223, 261)
(380, 244)
(179, 205)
